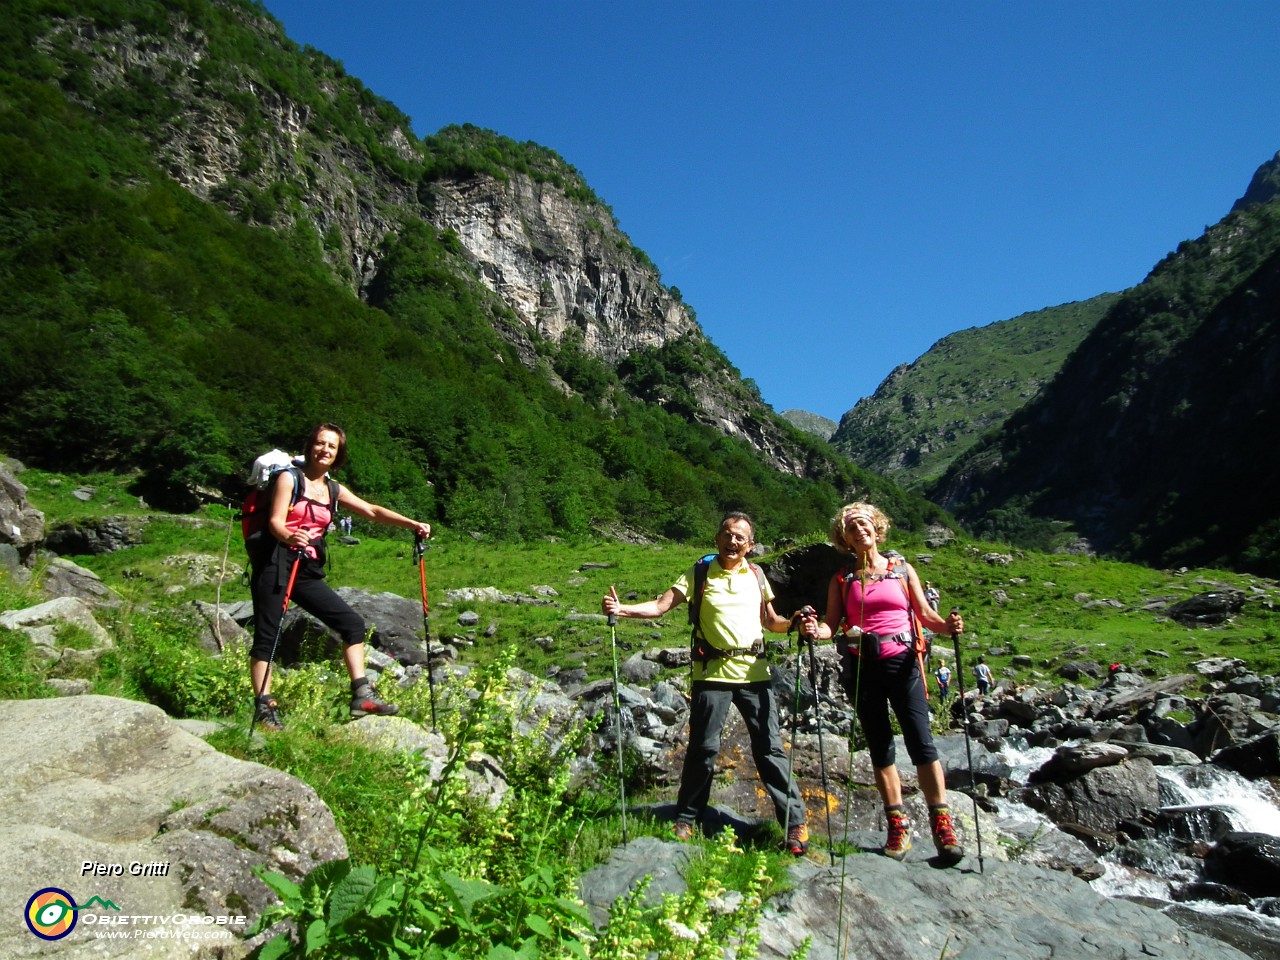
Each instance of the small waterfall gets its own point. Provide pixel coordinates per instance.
(1252, 805)
(1199, 803)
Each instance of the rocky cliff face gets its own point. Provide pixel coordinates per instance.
(560, 265)
(287, 140)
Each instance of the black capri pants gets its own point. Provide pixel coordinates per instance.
(876, 686)
(268, 582)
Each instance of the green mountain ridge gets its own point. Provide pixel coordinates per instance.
(164, 322)
(927, 413)
(1153, 441)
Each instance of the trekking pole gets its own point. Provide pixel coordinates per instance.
(795, 716)
(266, 677)
(822, 754)
(419, 555)
(968, 744)
(617, 719)
(841, 943)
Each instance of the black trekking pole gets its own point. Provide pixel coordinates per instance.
(968, 743)
(795, 715)
(266, 677)
(817, 716)
(419, 554)
(617, 721)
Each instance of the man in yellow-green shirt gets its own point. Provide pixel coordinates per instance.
(729, 668)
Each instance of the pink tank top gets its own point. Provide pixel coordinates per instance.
(310, 516)
(882, 610)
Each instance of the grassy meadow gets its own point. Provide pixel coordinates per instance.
(1040, 609)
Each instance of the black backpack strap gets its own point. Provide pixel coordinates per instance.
(699, 587)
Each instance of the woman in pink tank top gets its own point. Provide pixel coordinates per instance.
(874, 600)
(299, 524)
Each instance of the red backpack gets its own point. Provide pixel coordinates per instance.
(255, 511)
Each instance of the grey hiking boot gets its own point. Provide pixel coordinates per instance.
(265, 715)
(365, 702)
(944, 835)
(899, 840)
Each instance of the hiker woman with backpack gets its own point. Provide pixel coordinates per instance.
(289, 567)
(875, 598)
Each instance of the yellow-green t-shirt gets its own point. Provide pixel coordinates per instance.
(730, 620)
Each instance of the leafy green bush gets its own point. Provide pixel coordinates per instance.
(161, 659)
(460, 878)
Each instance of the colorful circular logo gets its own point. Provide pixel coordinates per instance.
(51, 913)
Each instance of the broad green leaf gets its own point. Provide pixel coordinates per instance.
(351, 895)
(275, 948)
(285, 888)
(539, 926)
(315, 938)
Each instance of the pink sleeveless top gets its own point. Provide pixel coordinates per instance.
(311, 516)
(884, 612)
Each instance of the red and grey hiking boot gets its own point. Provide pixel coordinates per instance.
(797, 840)
(944, 834)
(899, 840)
(365, 702)
(265, 715)
(682, 830)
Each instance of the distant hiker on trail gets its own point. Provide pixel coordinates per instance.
(296, 530)
(880, 668)
(943, 673)
(931, 594)
(734, 605)
(982, 674)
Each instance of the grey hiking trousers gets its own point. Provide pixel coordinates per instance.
(707, 715)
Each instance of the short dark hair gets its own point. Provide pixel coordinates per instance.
(341, 458)
(738, 515)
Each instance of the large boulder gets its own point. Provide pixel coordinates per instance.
(97, 535)
(1099, 798)
(1246, 861)
(1207, 609)
(108, 798)
(21, 525)
(1255, 758)
(1008, 911)
(801, 576)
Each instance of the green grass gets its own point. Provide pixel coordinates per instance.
(1034, 607)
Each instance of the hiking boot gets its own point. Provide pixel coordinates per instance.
(944, 835)
(798, 840)
(682, 830)
(365, 702)
(899, 840)
(265, 715)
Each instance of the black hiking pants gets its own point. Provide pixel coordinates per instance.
(268, 582)
(877, 685)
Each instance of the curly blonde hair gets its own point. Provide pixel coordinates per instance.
(840, 523)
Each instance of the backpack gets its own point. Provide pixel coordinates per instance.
(896, 571)
(700, 648)
(255, 511)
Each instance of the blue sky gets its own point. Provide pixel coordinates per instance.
(836, 186)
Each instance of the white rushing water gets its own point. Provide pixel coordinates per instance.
(1249, 806)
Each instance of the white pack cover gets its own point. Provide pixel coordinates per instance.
(270, 462)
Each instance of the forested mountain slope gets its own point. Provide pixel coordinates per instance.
(927, 413)
(1156, 439)
(211, 238)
